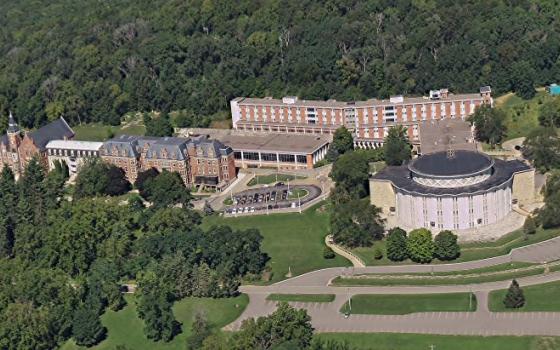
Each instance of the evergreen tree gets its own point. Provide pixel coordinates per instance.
(397, 148)
(158, 126)
(514, 298)
(87, 329)
(32, 190)
(8, 204)
(200, 330)
(396, 244)
(420, 246)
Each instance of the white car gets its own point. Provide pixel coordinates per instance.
(246, 210)
(252, 209)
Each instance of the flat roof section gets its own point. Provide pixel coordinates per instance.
(288, 143)
(442, 135)
(406, 100)
(74, 145)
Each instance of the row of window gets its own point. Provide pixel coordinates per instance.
(270, 157)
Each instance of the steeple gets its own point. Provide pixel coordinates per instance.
(13, 127)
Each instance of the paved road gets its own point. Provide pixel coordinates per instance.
(325, 317)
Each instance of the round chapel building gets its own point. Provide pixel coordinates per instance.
(451, 190)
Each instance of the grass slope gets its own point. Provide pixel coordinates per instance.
(394, 341)
(125, 328)
(305, 298)
(541, 297)
(272, 178)
(522, 115)
(99, 132)
(469, 251)
(401, 304)
(293, 240)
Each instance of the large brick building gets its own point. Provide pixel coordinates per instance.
(368, 120)
(199, 161)
(17, 148)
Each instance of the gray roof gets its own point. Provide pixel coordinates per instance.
(57, 130)
(124, 144)
(210, 148)
(173, 147)
(485, 89)
(156, 147)
(400, 177)
(13, 127)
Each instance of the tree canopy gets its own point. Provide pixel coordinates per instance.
(489, 125)
(397, 148)
(93, 63)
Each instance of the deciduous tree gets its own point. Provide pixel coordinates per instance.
(420, 246)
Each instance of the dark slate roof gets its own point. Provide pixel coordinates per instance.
(175, 147)
(57, 130)
(503, 172)
(123, 144)
(210, 148)
(13, 127)
(485, 89)
(460, 164)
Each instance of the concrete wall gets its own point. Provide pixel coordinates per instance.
(524, 187)
(382, 195)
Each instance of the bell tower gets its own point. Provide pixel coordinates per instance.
(13, 132)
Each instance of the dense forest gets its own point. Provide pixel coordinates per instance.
(96, 60)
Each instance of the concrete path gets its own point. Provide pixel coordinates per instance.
(326, 317)
(355, 260)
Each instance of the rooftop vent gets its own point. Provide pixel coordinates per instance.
(396, 99)
(290, 100)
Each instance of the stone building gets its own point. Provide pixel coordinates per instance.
(199, 161)
(454, 190)
(17, 147)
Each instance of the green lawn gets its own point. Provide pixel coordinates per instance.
(397, 341)
(100, 132)
(125, 328)
(298, 193)
(469, 251)
(306, 298)
(272, 178)
(294, 241)
(401, 304)
(541, 297)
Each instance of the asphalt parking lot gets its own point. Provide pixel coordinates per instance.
(270, 198)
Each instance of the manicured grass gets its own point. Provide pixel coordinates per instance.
(272, 178)
(293, 241)
(305, 298)
(125, 328)
(401, 304)
(100, 132)
(298, 193)
(228, 201)
(469, 251)
(541, 297)
(397, 341)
